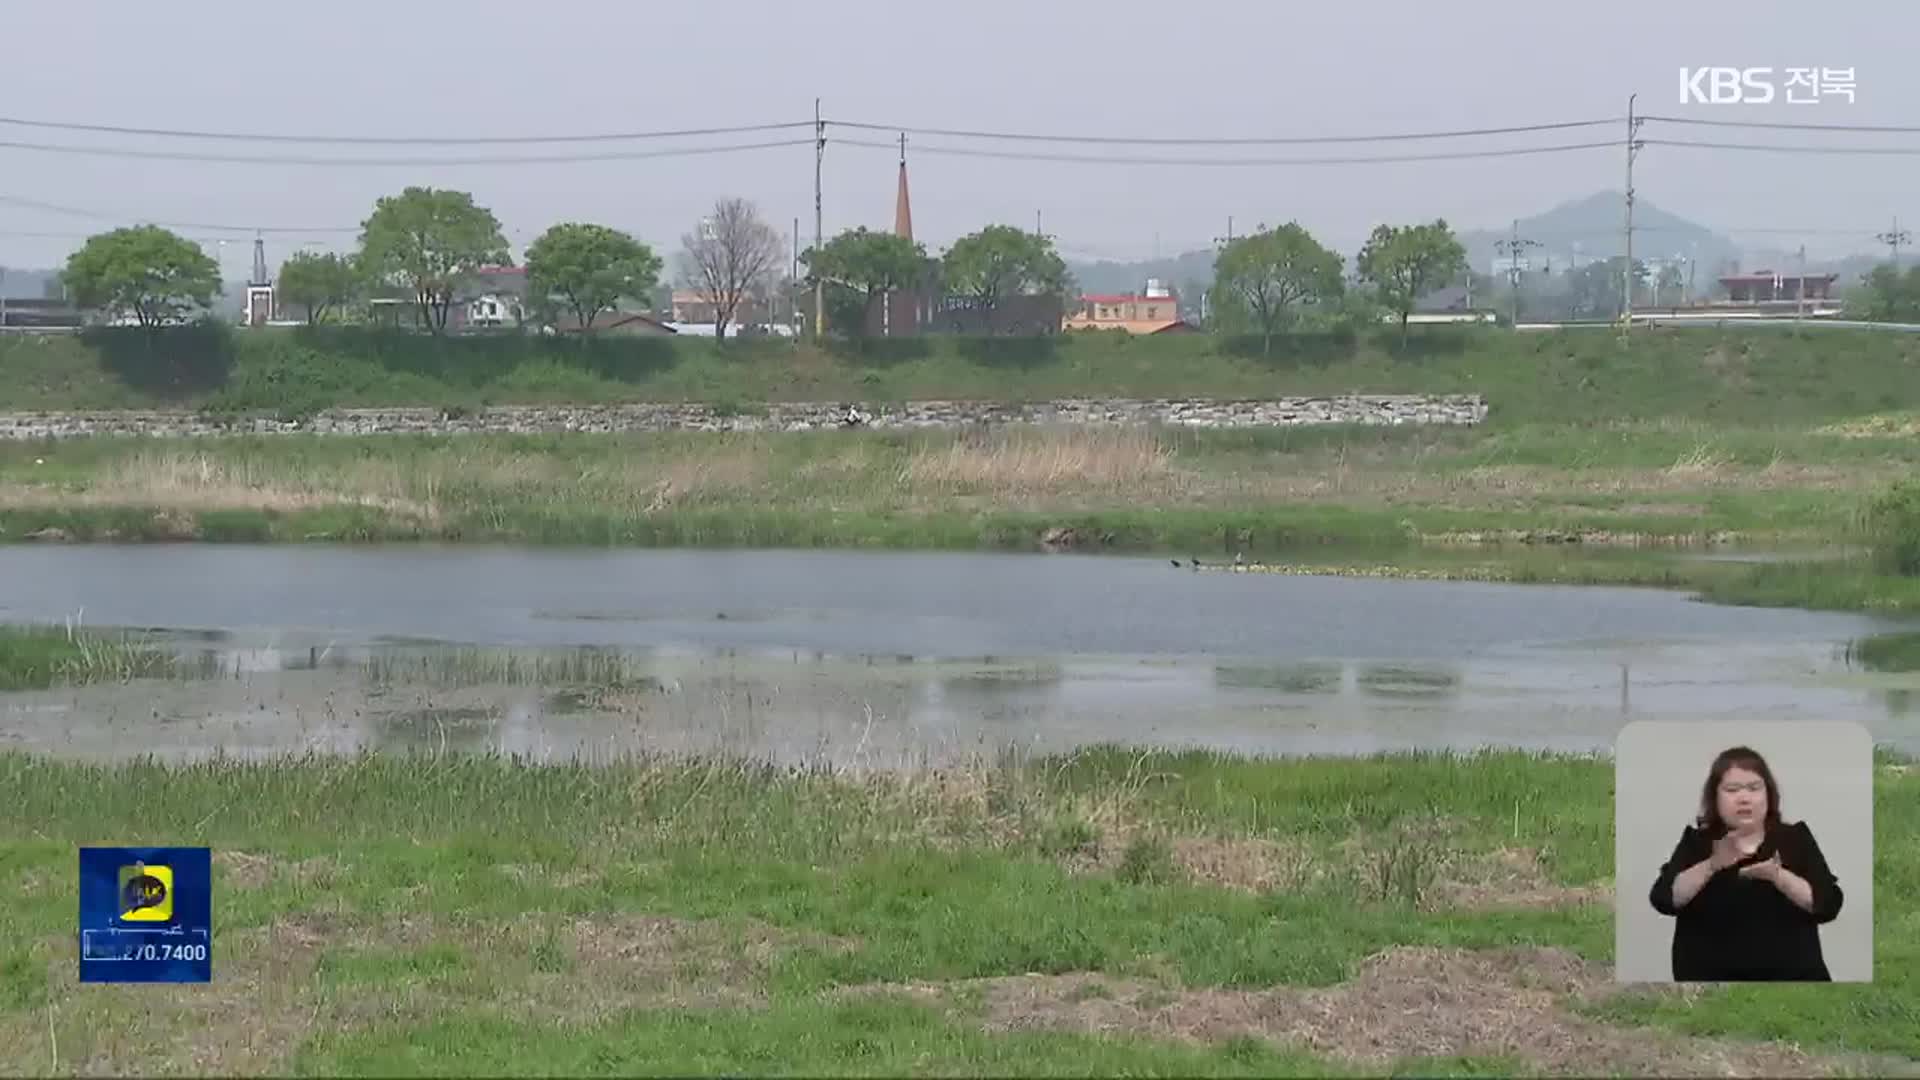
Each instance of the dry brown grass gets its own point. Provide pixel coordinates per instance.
(188, 482)
(1882, 426)
(1375, 867)
(1070, 467)
(248, 870)
(1016, 462)
(1402, 1003)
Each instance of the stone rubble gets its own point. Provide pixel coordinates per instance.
(801, 416)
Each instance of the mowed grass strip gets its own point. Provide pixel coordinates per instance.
(373, 911)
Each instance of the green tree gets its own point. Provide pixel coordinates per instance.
(319, 283)
(870, 264)
(1887, 295)
(428, 242)
(1404, 263)
(146, 270)
(1269, 273)
(589, 269)
(999, 262)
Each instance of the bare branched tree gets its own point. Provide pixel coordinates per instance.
(730, 258)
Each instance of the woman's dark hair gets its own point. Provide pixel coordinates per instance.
(1738, 757)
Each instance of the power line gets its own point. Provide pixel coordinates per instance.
(1092, 159)
(246, 159)
(75, 211)
(394, 140)
(1780, 125)
(1212, 141)
(1782, 230)
(1780, 148)
(626, 136)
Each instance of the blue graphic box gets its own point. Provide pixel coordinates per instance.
(146, 914)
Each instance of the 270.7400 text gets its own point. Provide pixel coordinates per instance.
(169, 952)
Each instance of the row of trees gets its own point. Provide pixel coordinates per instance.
(1267, 281)
(985, 270)
(425, 246)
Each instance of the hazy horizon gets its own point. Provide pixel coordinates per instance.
(1122, 69)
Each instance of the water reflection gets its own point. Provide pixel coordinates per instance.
(1300, 678)
(1886, 652)
(449, 730)
(285, 694)
(1408, 681)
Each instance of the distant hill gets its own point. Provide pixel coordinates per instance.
(1590, 229)
(1189, 273)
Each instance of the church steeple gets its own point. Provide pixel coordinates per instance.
(902, 206)
(259, 261)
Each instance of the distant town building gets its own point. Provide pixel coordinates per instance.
(696, 307)
(621, 324)
(494, 297)
(39, 314)
(1766, 286)
(1154, 310)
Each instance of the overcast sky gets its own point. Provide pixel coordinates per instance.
(1115, 68)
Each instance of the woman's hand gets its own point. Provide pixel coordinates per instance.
(1726, 852)
(1765, 871)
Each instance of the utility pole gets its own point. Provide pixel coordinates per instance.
(819, 156)
(1800, 290)
(793, 283)
(1895, 238)
(1513, 247)
(1633, 148)
(1227, 240)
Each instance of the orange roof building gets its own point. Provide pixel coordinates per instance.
(1155, 311)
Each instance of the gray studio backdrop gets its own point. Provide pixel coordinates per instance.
(1825, 773)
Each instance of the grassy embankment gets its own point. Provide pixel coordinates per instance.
(1155, 915)
(1681, 436)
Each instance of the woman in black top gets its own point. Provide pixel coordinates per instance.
(1748, 893)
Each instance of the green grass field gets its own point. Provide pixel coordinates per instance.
(1115, 912)
(1740, 377)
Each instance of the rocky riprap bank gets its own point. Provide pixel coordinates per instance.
(544, 419)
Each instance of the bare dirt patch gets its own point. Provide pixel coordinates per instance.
(1402, 1003)
(266, 1000)
(651, 961)
(1247, 864)
(1507, 878)
(250, 870)
(247, 1021)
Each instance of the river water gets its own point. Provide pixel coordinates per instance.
(890, 658)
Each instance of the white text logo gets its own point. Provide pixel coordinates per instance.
(1761, 86)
